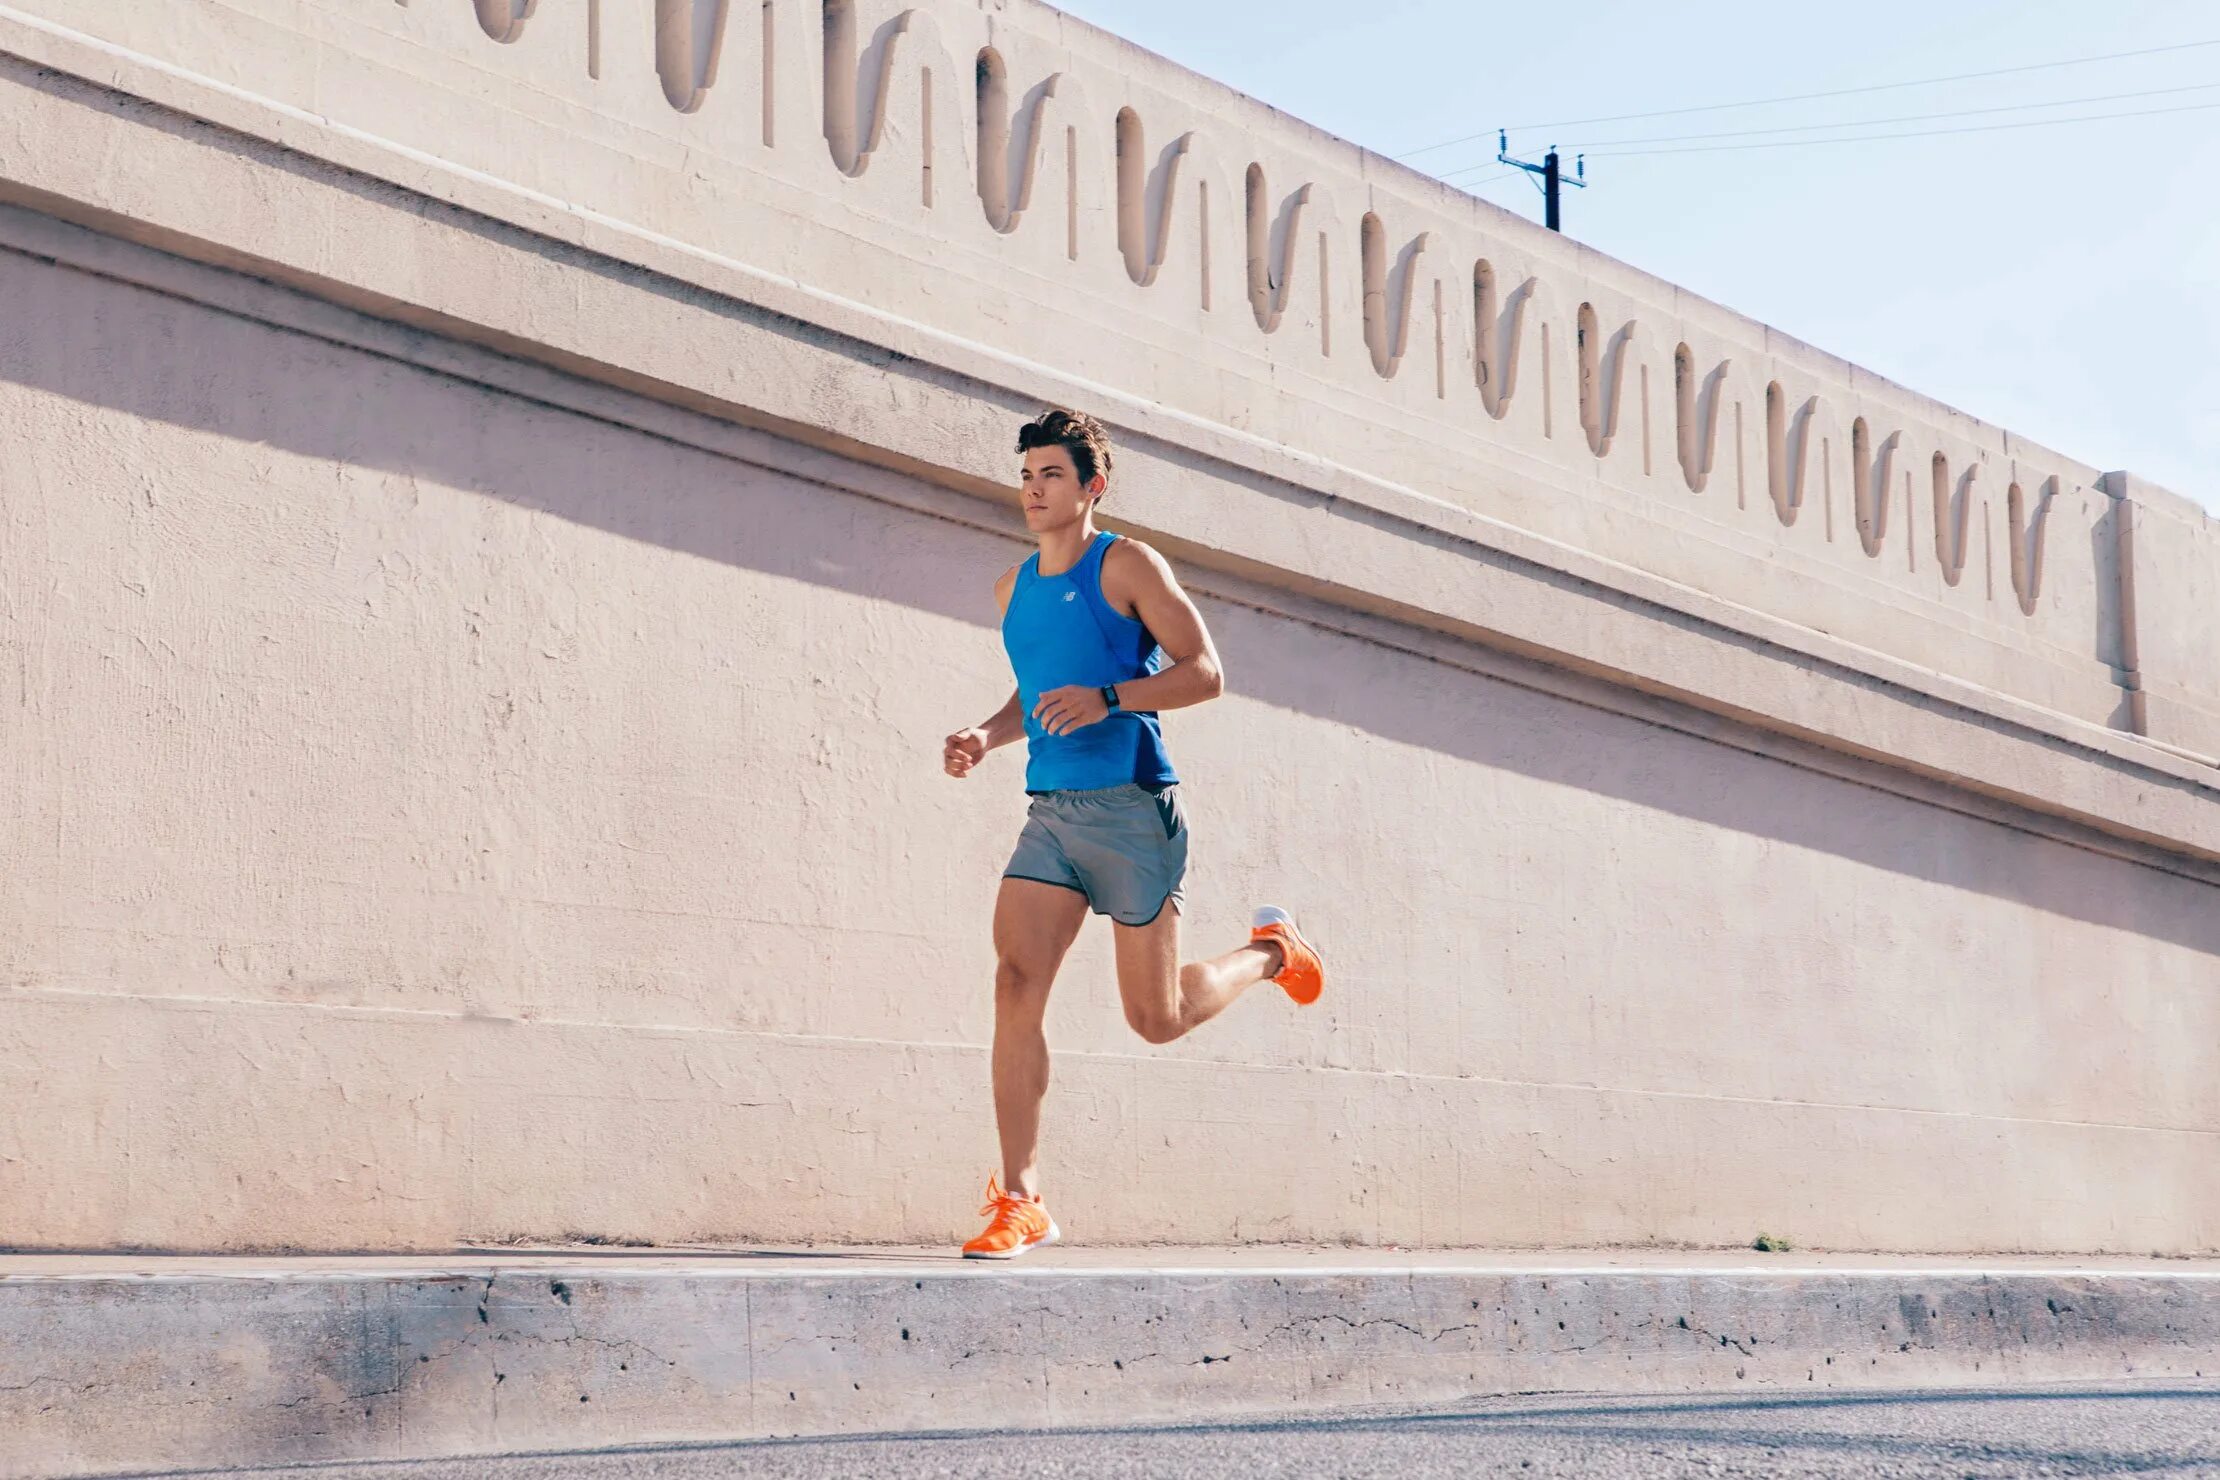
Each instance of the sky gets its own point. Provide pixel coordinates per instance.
(2061, 281)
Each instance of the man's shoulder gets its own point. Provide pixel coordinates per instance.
(1129, 554)
(1130, 566)
(1131, 547)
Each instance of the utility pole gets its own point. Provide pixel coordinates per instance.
(1553, 178)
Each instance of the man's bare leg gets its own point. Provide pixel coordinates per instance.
(1165, 1000)
(1034, 925)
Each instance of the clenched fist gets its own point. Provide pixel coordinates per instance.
(963, 750)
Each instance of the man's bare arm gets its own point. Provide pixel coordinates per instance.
(1136, 579)
(1144, 579)
(1006, 726)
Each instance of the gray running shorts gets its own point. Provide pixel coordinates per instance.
(1124, 847)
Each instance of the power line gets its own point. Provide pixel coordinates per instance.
(1842, 92)
(1445, 179)
(1449, 179)
(1550, 175)
(1805, 128)
(1930, 133)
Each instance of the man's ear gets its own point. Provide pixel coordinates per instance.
(1098, 486)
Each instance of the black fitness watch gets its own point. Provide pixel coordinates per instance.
(1110, 696)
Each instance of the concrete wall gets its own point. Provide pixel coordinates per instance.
(486, 585)
(2170, 566)
(264, 1363)
(1087, 205)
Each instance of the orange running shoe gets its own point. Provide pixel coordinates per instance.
(1019, 1226)
(1302, 973)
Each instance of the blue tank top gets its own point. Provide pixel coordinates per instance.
(1058, 630)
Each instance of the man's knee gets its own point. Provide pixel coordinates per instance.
(1155, 1023)
(1017, 984)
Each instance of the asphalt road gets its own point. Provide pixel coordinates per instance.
(2157, 1429)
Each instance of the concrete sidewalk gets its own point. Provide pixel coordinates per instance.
(119, 1363)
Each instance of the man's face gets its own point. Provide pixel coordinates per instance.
(1051, 490)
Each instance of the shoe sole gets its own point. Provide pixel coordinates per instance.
(1054, 1233)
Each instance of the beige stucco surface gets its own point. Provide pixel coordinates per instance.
(480, 660)
(1326, 301)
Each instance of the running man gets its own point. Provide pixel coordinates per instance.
(1101, 638)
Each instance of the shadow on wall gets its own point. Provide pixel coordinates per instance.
(151, 356)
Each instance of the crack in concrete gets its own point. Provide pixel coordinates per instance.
(613, 1343)
(1289, 1326)
(24, 1387)
(1683, 1325)
(1117, 1363)
(80, 1389)
(1285, 1328)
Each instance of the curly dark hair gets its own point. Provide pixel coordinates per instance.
(1077, 433)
